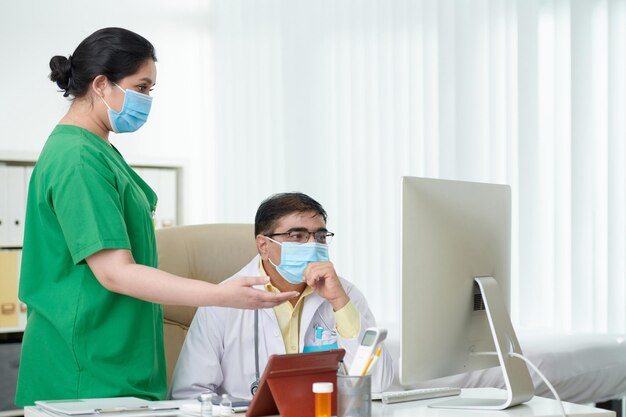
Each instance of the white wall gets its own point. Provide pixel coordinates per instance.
(338, 98)
(31, 32)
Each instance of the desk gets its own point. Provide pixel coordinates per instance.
(537, 407)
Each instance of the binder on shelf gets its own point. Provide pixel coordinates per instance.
(9, 304)
(14, 179)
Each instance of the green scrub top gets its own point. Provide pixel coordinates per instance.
(82, 340)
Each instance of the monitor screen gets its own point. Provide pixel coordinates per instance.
(451, 233)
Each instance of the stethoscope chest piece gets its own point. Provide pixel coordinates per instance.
(254, 387)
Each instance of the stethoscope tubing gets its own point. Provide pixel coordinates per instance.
(255, 384)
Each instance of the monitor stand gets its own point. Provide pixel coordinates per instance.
(519, 385)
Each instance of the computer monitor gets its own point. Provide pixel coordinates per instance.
(452, 233)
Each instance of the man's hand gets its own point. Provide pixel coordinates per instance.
(239, 293)
(321, 276)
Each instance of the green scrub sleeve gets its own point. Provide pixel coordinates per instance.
(89, 210)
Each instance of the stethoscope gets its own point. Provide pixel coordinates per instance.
(255, 385)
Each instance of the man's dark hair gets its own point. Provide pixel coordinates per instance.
(279, 205)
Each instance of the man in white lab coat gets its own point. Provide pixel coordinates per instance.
(219, 352)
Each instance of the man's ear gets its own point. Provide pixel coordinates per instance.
(261, 245)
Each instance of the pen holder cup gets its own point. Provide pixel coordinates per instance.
(354, 396)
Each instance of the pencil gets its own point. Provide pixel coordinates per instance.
(369, 362)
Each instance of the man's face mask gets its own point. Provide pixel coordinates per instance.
(134, 111)
(295, 257)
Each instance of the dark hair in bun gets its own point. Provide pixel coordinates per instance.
(61, 70)
(113, 52)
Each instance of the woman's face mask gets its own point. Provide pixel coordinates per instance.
(295, 257)
(134, 113)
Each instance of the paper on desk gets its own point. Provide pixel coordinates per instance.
(111, 407)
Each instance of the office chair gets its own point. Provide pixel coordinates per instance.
(210, 252)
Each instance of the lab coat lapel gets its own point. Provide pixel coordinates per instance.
(269, 331)
(311, 304)
(273, 338)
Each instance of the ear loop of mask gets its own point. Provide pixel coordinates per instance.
(268, 256)
(107, 104)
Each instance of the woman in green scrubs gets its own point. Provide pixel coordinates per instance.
(89, 277)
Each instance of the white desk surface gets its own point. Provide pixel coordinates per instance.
(537, 407)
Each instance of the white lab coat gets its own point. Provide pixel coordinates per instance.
(218, 353)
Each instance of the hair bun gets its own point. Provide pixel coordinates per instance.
(61, 71)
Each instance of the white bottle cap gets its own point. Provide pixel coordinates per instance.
(206, 397)
(323, 387)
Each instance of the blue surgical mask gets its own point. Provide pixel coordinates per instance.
(134, 111)
(295, 257)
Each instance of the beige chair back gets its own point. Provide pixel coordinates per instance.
(209, 252)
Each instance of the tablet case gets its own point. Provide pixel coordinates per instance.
(286, 386)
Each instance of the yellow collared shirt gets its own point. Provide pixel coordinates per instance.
(347, 319)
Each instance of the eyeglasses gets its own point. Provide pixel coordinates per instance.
(302, 236)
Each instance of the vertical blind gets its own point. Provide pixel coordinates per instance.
(340, 98)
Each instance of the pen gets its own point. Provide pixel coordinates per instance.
(319, 331)
(374, 361)
(342, 368)
(369, 362)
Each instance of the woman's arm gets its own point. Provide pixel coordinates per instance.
(117, 271)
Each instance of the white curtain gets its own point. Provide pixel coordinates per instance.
(339, 98)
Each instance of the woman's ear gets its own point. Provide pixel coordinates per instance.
(99, 85)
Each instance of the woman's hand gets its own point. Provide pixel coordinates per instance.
(238, 293)
(117, 271)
